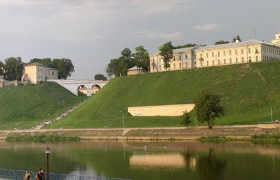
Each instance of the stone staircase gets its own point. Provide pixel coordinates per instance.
(48, 121)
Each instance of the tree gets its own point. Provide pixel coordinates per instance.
(186, 118)
(237, 38)
(207, 107)
(166, 51)
(141, 58)
(44, 61)
(13, 69)
(221, 42)
(184, 46)
(126, 59)
(64, 67)
(1, 67)
(115, 67)
(100, 77)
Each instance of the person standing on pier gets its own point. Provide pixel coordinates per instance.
(40, 175)
(27, 175)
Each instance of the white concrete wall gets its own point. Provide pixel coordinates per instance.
(163, 110)
(72, 85)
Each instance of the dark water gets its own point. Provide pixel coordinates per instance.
(160, 160)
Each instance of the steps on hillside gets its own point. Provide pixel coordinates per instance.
(48, 121)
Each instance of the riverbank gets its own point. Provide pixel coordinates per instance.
(244, 132)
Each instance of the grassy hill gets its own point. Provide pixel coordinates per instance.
(246, 91)
(25, 106)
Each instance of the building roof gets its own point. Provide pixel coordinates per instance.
(133, 68)
(34, 64)
(219, 46)
(236, 44)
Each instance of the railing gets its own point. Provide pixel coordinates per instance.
(8, 174)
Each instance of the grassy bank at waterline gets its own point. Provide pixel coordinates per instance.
(250, 132)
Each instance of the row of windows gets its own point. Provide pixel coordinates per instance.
(272, 51)
(230, 52)
(224, 53)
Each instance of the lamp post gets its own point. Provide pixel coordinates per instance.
(48, 151)
(122, 120)
(271, 113)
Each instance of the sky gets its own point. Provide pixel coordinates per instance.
(92, 32)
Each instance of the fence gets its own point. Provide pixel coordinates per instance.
(8, 174)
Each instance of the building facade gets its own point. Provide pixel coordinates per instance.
(219, 55)
(36, 72)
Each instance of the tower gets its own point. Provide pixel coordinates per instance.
(277, 39)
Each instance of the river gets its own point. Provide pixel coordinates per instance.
(153, 160)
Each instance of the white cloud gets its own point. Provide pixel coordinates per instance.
(149, 34)
(207, 27)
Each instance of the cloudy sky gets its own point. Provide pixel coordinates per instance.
(91, 32)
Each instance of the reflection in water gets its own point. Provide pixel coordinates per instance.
(148, 161)
(163, 160)
(211, 167)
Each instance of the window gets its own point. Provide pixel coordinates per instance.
(249, 50)
(256, 58)
(212, 54)
(224, 61)
(230, 61)
(52, 73)
(180, 65)
(206, 55)
(207, 63)
(218, 53)
(236, 52)
(186, 56)
(242, 59)
(236, 60)
(229, 52)
(179, 57)
(224, 53)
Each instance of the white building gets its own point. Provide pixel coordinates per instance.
(219, 55)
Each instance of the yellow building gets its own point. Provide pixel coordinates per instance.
(36, 72)
(219, 55)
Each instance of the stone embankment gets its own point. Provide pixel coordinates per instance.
(176, 133)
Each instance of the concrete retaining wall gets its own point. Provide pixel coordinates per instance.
(163, 110)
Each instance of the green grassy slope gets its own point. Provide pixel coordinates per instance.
(24, 106)
(245, 89)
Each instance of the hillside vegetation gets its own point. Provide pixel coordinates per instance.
(23, 107)
(246, 91)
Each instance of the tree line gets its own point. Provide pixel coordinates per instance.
(13, 67)
(119, 66)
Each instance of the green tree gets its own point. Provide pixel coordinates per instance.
(44, 61)
(13, 69)
(126, 60)
(1, 67)
(100, 77)
(141, 58)
(237, 38)
(186, 118)
(221, 42)
(207, 107)
(184, 46)
(64, 67)
(166, 51)
(115, 67)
